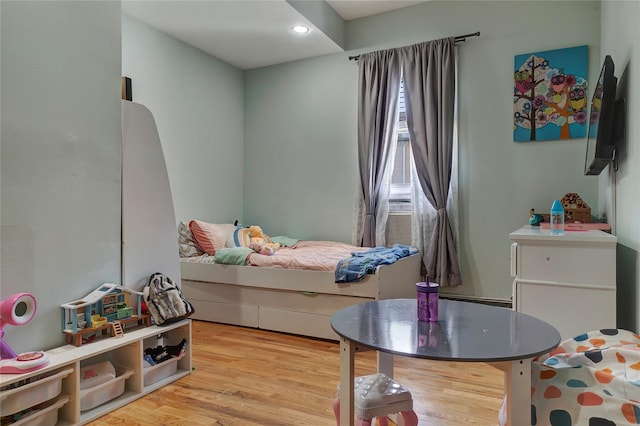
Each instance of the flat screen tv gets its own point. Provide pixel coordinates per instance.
(604, 121)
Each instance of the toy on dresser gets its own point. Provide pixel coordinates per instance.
(576, 210)
(534, 218)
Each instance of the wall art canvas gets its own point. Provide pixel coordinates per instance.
(550, 95)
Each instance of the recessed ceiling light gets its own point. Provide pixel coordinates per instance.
(300, 29)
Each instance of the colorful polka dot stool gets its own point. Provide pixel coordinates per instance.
(377, 396)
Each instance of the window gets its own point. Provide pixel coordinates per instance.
(400, 194)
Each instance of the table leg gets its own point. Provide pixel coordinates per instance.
(385, 366)
(517, 390)
(385, 363)
(347, 358)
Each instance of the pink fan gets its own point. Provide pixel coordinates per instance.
(18, 309)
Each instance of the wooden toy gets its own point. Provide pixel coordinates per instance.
(109, 307)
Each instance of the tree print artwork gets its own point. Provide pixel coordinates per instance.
(550, 95)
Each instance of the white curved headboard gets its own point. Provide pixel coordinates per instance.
(149, 233)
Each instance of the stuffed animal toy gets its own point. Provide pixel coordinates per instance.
(267, 250)
(534, 218)
(258, 242)
(256, 235)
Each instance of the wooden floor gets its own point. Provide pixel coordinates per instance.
(244, 376)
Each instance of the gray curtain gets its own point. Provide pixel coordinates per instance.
(378, 89)
(429, 83)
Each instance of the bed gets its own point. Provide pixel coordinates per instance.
(298, 301)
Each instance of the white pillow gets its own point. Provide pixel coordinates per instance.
(186, 244)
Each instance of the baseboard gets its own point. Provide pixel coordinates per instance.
(505, 303)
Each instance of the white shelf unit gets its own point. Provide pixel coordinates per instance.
(566, 280)
(125, 352)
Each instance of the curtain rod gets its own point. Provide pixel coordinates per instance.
(457, 39)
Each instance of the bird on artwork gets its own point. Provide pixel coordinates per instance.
(557, 83)
(577, 99)
(523, 81)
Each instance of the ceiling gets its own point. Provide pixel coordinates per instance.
(353, 9)
(255, 33)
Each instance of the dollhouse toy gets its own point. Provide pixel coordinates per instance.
(18, 309)
(110, 306)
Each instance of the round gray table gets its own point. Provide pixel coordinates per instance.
(465, 332)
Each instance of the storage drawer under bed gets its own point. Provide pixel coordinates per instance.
(304, 313)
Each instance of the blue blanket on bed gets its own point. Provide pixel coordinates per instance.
(361, 263)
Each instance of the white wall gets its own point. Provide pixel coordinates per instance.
(301, 129)
(621, 40)
(60, 68)
(197, 102)
(300, 148)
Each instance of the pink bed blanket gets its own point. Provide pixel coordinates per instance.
(314, 255)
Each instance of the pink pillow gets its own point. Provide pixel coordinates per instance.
(210, 236)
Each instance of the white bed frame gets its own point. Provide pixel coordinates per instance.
(288, 300)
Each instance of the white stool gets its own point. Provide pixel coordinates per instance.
(377, 396)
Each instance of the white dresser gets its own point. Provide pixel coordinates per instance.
(568, 281)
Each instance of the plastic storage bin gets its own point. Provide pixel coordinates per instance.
(160, 371)
(97, 395)
(96, 374)
(18, 399)
(45, 416)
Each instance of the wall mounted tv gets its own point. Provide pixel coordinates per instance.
(606, 121)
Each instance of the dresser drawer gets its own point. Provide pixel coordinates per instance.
(572, 309)
(587, 264)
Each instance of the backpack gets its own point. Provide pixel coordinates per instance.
(165, 300)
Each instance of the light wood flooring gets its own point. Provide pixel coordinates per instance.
(244, 376)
